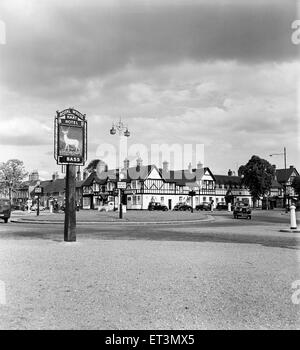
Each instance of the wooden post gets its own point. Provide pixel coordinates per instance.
(70, 208)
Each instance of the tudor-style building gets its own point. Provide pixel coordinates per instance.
(145, 184)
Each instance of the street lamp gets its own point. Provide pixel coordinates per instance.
(284, 157)
(122, 130)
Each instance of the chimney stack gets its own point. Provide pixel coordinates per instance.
(229, 172)
(139, 162)
(78, 174)
(199, 165)
(165, 166)
(55, 176)
(85, 174)
(291, 166)
(126, 164)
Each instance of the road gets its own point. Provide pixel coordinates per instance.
(225, 274)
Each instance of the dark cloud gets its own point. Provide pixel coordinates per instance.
(63, 46)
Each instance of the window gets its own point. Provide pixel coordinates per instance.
(217, 200)
(162, 199)
(180, 199)
(136, 200)
(204, 199)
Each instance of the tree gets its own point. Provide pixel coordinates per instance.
(257, 174)
(12, 173)
(92, 165)
(296, 185)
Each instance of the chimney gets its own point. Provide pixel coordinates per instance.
(190, 167)
(274, 167)
(126, 164)
(291, 166)
(78, 174)
(229, 172)
(101, 167)
(55, 176)
(139, 162)
(165, 166)
(85, 175)
(199, 165)
(34, 176)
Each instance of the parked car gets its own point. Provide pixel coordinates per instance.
(241, 210)
(157, 206)
(203, 206)
(182, 207)
(5, 209)
(34, 207)
(222, 206)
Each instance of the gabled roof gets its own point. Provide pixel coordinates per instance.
(132, 173)
(275, 184)
(228, 180)
(283, 175)
(52, 186)
(185, 177)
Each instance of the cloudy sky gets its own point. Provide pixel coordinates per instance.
(219, 73)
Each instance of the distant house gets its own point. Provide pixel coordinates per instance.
(232, 185)
(285, 178)
(23, 192)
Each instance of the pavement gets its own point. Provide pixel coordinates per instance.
(222, 274)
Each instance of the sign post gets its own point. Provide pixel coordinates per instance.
(70, 149)
(121, 185)
(38, 190)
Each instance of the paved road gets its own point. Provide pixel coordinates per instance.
(226, 274)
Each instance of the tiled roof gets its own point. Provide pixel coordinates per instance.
(283, 175)
(228, 180)
(132, 173)
(275, 184)
(184, 177)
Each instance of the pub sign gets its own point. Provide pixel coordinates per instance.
(70, 137)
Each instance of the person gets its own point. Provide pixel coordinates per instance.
(212, 205)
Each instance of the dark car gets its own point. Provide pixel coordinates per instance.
(222, 206)
(203, 206)
(242, 210)
(182, 207)
(5, 209)
(157, 206)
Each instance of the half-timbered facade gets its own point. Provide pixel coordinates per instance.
(145, 184)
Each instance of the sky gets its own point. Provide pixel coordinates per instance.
(224, 74)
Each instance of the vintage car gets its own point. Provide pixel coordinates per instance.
(157, 206)
(182, 207)
(241, 210)
(222, 206)
(203, 206)
(5, 209)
